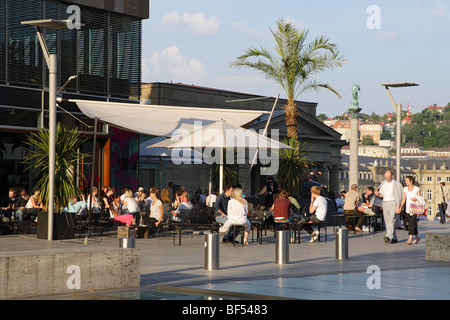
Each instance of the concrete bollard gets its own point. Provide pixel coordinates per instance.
(341, 244)
(127, 242)
(212, 251)
(282, 247)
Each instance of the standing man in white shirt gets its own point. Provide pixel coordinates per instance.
(391, 193)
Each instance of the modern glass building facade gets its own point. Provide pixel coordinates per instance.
(105, 54)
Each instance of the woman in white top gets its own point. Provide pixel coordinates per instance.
(156, 208)
(237, 213)
(117, 212)
(131, 204)
(33, 201)
(33, 205)
(411, 195)
(95, 202)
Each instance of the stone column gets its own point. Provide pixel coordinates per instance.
(334, 178)
(354, 138)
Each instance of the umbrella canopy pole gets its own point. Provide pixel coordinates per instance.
(210, 187)
(90, 204)
(221, 171)
(264, 134)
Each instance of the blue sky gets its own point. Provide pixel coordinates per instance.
(195, 41)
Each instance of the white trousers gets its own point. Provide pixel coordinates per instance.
(389, 218)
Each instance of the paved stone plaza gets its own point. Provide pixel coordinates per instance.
(171, 271)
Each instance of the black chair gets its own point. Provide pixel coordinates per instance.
(238, 228)
(83, 227)
(72, 226)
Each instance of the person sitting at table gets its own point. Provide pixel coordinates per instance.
(196, 200)
(141, 198)
(211, 198)
(351, 206)
(117, 211)
(131, 204)
(183, 209)
(156, 208)
(271, 189)
(367, 202)
(24, 194)
(220, 211)
(77, 207)
(93, 201)
(7, 204)
(339, 202)
(296, 208)
(282, 208)
(33, 205)
(107, 200)
(237, 214)
(19, 206)
(318, 212)
(167, 204)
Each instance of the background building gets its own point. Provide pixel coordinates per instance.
(428, 173)
(343, 127)
(105, 54)
(372, 129)
(323, 142)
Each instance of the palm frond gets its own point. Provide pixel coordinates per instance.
(66, 158)
(293, 166)
(297, 62)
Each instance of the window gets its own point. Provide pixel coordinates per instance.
(438, 179)
(105, 53)
(429, 195)
(429, 179)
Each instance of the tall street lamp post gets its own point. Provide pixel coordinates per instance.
(398, 112)
(51, 60)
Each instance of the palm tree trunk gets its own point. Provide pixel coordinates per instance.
(291, 114)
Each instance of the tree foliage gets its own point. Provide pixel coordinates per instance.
(66, 158)
(294, 164)
(428, 129)
(294, 66)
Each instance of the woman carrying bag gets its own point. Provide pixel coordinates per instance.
(414, 207)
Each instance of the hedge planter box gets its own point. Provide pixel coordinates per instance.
(60, 226)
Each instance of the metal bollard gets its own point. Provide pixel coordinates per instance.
(341, 244)
(212, 251)
(127, 242)
(282, 247)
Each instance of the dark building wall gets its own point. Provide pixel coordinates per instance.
(136, 8)
(105, 54)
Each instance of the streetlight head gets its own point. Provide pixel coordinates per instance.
(51, 24)
(400, 84)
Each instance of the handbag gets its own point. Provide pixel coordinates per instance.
(416, 208)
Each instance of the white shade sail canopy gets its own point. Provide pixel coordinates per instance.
(220, 134)
(164, 153)
(160, 120)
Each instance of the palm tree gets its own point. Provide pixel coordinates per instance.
(294, 66)
(67, 157)
(293, 167)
